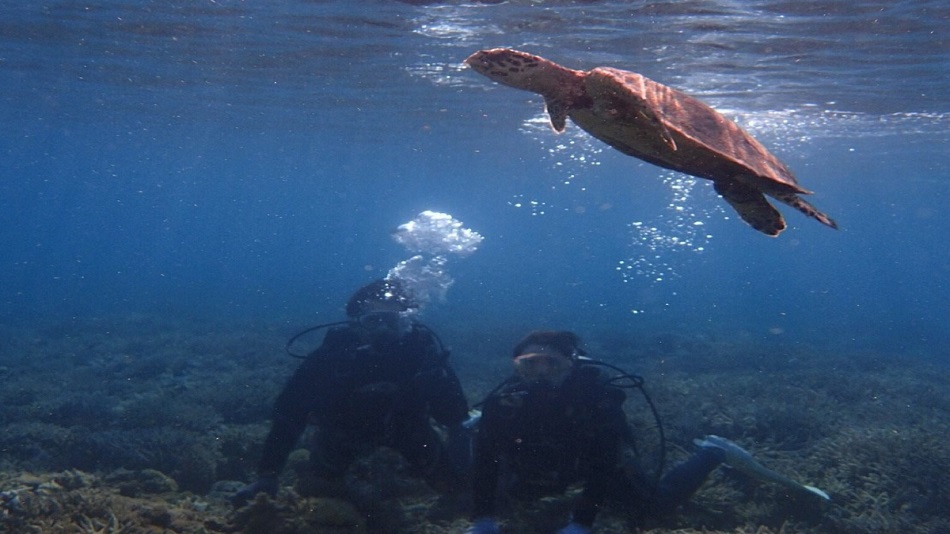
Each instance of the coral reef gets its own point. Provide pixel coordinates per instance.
(291, 516)
(74, 501)
(147, 424)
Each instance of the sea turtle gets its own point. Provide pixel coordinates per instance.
(660, 125)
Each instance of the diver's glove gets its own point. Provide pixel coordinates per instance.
(474, 416)
(574, 528)
(483, 525)
(458, 450)
(266, 484)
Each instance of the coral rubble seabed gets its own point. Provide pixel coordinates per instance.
(141, 424)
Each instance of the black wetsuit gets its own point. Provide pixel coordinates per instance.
(362, 396)
(535, 440)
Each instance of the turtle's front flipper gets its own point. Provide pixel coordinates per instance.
(801, 205)
(752, 206)
(557, 111)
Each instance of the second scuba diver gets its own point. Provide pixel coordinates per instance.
(379, 379)
(560, 421)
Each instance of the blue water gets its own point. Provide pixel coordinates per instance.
(249, 160)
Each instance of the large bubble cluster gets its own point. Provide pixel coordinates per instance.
(437, 233)
(432, 237)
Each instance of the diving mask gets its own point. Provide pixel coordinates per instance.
(549, 367)
(385, 321)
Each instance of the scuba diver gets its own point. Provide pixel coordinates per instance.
(379, 379)
(560, 421)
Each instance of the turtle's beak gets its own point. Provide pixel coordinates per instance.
(496, 64)
(479, 62)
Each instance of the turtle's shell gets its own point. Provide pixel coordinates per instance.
(671, 129)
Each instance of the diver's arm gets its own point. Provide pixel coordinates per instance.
(603, 460)
(311, 388)
(280, 441)
(485, 469)
(437, 382)
(448, 403)
(610, 430)
(289, 418)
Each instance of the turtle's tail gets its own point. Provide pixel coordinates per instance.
(801, 205)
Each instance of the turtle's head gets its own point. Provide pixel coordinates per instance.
(507, 66)
(520, 70)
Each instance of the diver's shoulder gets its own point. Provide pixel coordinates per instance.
(423, 333)
(595, 382)
(341, 334)
(591, 374)
(512, 387)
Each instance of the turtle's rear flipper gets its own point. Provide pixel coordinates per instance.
(801, 205)
(752, 206)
